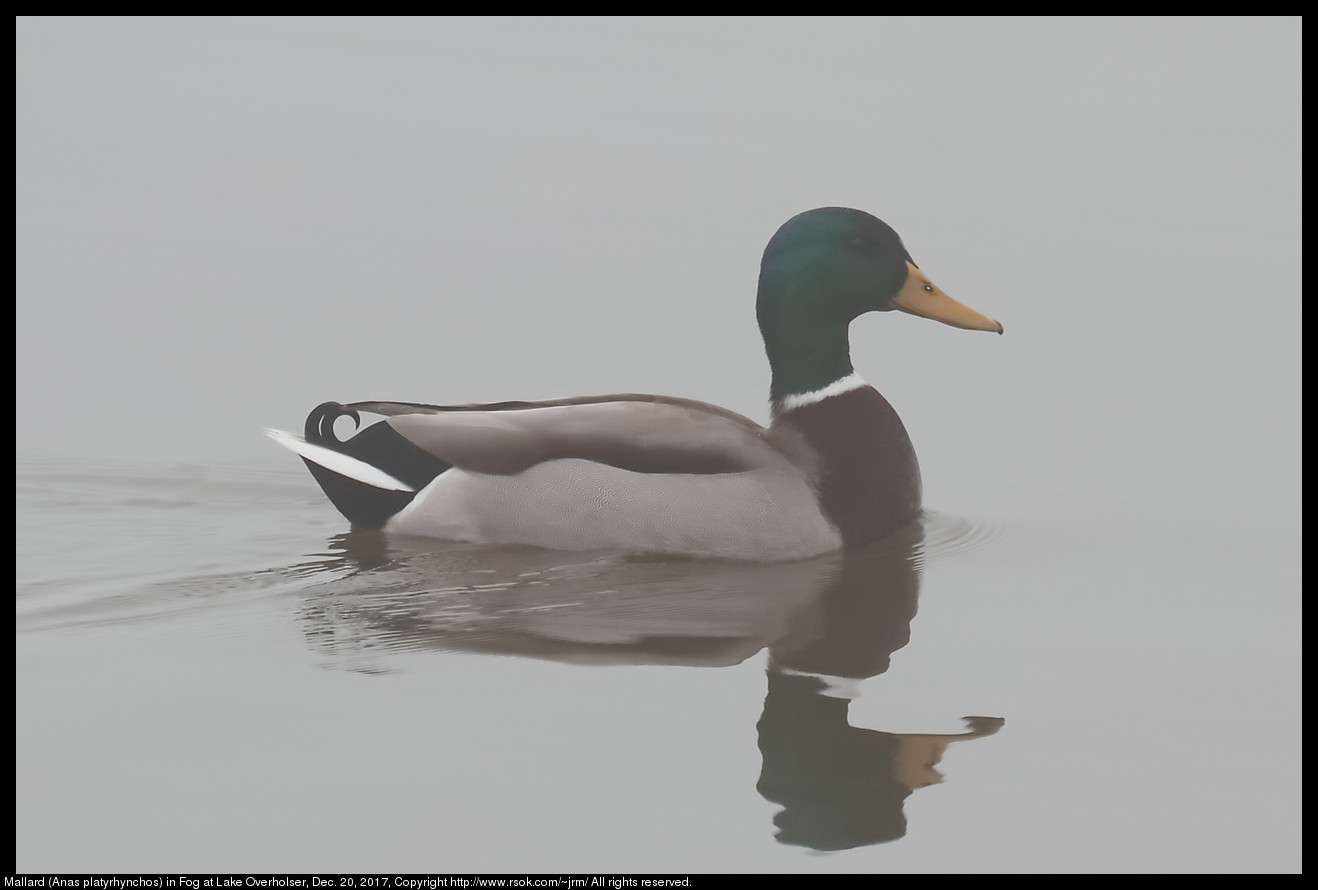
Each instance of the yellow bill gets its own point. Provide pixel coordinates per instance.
(920, 296)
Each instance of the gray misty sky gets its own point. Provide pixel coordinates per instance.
(223, 222)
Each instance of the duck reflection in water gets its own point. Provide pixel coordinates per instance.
(843, 786)
(828, 623)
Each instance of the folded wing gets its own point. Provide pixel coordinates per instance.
(626, 472)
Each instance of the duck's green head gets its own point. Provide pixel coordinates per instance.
(824, 268)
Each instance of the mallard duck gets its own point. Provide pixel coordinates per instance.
(645, 473)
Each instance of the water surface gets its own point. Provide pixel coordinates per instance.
(1085, 658)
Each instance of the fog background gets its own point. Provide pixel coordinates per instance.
(221, 222)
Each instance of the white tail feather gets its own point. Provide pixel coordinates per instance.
(338, 462)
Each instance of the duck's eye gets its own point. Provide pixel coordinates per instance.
(928, 288)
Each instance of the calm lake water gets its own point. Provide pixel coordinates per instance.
(1087, 658)
(204, 654)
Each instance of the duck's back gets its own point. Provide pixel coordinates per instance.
(623, 472)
